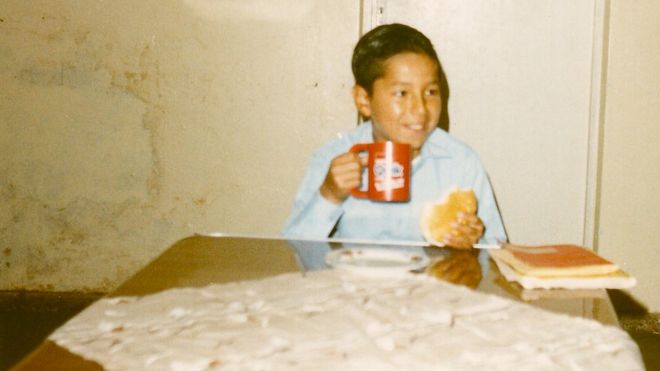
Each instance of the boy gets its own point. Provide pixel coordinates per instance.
(397, 89)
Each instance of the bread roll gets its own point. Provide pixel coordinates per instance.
(436, 218)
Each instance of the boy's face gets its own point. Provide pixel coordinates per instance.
(405, 103)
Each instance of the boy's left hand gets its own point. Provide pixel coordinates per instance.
(467, 228)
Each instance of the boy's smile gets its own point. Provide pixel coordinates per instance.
(405, 103)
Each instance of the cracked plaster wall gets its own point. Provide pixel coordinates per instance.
(125, 126)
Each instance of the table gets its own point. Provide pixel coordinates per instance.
(198, 261)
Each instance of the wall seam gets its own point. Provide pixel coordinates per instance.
(597, 105)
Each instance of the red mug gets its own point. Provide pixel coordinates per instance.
(388, 171)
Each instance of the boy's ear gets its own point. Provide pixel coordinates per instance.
(361, 100)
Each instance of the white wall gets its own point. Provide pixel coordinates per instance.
(629, 227)
(519, 75)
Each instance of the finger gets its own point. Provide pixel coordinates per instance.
(348, 157)
(476, 224)
(350, 170)
(348, 185)
(340, 167)
(464, 235)
(467, 232)
(342, 176)
(458, 242)
(347, 176)
(471, 219)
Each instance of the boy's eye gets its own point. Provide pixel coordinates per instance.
(432, 92)
(400, 93)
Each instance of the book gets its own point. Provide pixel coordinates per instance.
(535, 293)
(553, 261)
(614, 280)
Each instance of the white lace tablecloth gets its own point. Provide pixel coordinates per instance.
(335, 321)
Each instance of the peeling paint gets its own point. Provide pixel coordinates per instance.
(56, 231)
(68, 237)
(123, 130)
(143, 83)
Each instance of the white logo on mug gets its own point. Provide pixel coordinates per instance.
(384, 179)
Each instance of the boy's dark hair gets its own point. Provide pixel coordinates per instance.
(383, 42)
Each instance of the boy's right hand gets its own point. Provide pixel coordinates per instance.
(344, 175)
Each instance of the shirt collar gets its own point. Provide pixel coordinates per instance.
(433, 147)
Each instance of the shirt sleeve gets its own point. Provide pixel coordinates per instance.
(312, 216)
(487, 211)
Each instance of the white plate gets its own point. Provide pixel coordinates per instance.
(376, 261)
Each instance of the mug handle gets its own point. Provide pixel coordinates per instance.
(357, 148)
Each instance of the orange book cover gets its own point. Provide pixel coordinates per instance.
(554, 260)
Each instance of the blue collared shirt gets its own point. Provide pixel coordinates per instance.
(443, 162)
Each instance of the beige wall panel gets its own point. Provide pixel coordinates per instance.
(630, 202)
(519, 75)
(126, 125)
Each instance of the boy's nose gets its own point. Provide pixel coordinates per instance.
(418, 105)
